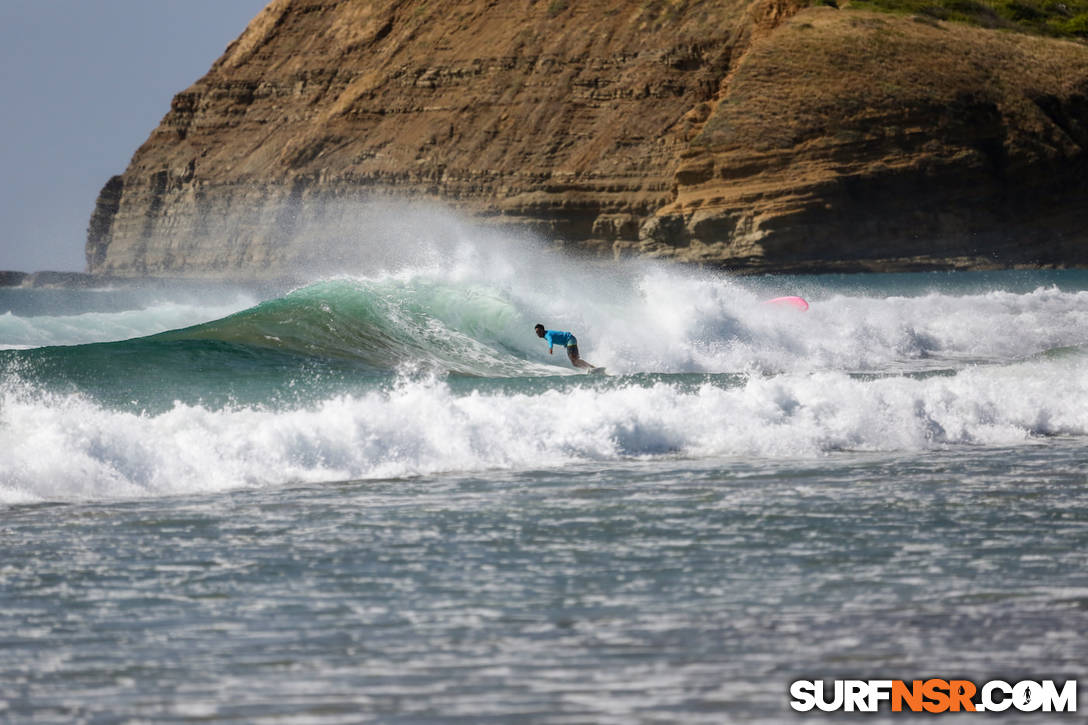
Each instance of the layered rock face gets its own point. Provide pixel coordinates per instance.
(755, 135)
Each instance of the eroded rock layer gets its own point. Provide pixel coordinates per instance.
(755, 135)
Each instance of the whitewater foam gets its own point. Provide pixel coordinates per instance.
(66, 447)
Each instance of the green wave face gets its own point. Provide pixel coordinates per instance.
(382, 325)
(315, 341)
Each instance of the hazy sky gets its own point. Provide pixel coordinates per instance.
(82, 84)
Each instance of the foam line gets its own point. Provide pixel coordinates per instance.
(61, 447)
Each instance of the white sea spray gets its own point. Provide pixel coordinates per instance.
(67, 447)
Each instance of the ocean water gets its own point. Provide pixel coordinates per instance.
(375, 497)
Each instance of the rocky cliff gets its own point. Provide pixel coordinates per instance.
(754, 134)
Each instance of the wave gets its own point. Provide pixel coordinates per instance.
(426, 362)
(384, 324)
(19, 330)
(631, 319)
(69, 447)
(418, 288)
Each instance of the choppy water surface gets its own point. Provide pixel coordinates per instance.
(649, 591)
(377, 497)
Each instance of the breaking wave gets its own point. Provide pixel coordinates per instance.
(67, 447)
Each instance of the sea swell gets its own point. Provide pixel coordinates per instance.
(635, 319)
(432, 368)
(89, 320)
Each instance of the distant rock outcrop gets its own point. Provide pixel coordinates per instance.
(756, 135)
(10, 278)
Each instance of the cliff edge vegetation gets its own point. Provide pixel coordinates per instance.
(757, 135)
(1055, 18)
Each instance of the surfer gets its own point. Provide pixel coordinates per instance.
(555, 337)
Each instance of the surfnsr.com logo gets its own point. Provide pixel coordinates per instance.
(933, 696)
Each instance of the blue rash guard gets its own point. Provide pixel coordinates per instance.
(563, 339)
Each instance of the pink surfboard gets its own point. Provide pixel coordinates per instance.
(798, 302)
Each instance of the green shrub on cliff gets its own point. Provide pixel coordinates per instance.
(1058, 18)
(1077, 25)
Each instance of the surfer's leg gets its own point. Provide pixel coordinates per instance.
(572, 353)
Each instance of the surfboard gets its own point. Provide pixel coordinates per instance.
(798, 302)
(595, 371)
